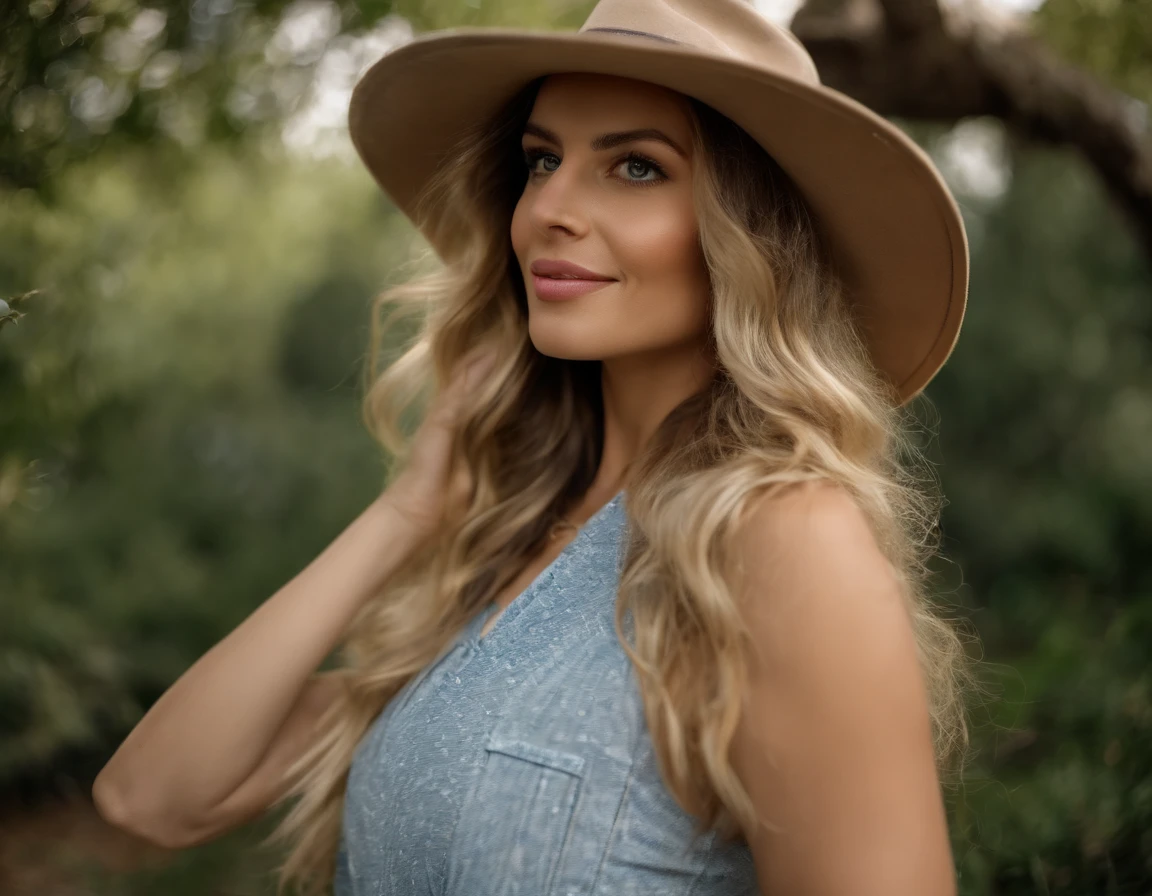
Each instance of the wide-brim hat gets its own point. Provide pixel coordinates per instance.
(891, 223)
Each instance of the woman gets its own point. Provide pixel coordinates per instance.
(643, 609)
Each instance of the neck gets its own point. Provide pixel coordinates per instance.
(639, 391)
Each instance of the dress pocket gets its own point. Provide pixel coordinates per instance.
(515, 825)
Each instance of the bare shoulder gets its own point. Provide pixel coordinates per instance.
(834, 745)
(811, 534)
(814, 509)
(817, 591)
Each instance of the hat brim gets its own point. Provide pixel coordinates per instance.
(892, 224)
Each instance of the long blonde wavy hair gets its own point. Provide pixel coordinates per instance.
(794, 397)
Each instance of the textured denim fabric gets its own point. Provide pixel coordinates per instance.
(519, 764)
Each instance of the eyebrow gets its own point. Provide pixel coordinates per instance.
(607, 141)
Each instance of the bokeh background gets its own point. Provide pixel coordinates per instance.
(188, 251)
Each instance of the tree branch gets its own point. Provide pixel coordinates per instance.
(912, 18)
(901, 58)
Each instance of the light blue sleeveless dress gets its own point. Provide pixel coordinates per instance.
(519, 764)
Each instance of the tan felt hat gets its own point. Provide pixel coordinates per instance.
(893, 227)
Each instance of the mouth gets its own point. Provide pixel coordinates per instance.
(557, 288)
(560, 269)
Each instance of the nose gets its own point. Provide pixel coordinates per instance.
(558, 199)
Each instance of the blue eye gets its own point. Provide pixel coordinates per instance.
(645, 162)
(532, 156)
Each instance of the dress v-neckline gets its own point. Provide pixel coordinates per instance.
(506, 615)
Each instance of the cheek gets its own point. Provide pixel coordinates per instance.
(659, 248)
(517, 231)
(666, 270)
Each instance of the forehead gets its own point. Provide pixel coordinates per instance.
(578, 101)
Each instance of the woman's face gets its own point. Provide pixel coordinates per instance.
(629, 219)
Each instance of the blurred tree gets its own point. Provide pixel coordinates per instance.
(1044, 421)
(927, 61)
(1110, 39)
(72, 75)
(79, 76)
(170, 448)
(99, 74)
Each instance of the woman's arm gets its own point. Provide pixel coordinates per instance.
(212, 750)
(835, 744)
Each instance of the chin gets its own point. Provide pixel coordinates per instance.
(566, 352)
(565, 347)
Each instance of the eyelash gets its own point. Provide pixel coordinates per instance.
(532, 156)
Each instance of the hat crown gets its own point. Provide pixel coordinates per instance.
(733, 30)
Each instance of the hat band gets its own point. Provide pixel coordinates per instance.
(634, 33)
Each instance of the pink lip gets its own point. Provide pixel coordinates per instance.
(551, 289)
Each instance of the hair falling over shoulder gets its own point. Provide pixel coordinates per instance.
(795, 398)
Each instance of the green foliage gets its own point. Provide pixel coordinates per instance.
(1109, 38)
(103, 74)
(1045, 413)
(180, 424)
